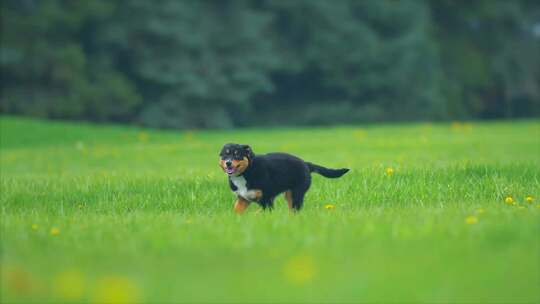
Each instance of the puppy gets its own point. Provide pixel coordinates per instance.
(260, 178)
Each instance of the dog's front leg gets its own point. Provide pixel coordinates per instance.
(240, 205)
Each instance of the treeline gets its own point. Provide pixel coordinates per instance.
(195, 63)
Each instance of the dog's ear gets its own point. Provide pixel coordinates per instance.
(248, 151)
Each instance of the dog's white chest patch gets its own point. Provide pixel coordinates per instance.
(242, 190)
(241, 186)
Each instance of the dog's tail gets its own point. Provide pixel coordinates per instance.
(326, 172)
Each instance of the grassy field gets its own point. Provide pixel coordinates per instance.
(119, 214)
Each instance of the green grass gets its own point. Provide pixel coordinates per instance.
(146, 215)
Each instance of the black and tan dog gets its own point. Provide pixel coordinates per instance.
(260, 178)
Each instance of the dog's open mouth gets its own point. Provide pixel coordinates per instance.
(230, 170)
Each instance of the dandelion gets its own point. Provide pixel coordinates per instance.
(360, 134)
(529, 199)
(116, 289)
(143, 136)
(389, 171)
(299, 269)
(480, 210)
(189, 135)
(69, 285)
(55, 231)
(35, 227)
(471, 220)
(509, 200)
(17, 279)
(329, 206)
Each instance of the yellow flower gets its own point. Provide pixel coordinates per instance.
(143, 136)
(17, 279)
(116, 289)
(329, 206)
(359, 134)
(189, 135)
(69, 285)
(480, 211)
(509, 200)
(35, 226)
(55, 231)
(471, 220)
(389, 171)
(529, 199)
(299, 269)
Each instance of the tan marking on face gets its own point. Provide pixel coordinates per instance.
(288, 197)
(240, 165)
(240, 205)
(222, 164)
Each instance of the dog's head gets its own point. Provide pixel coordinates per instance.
(234, 159)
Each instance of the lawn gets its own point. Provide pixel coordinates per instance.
(429, 212)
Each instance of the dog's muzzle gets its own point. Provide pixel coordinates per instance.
(229, 167)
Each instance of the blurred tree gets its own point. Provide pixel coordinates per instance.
(351, 61)
(185, 64)
(47, 69)
(490, 52)
(197, 62)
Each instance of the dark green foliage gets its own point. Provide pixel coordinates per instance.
(490, 50)
(193, 60)
(197, 64)
(49, 69)
(355, 61)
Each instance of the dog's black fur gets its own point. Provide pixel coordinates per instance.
(274, 173)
